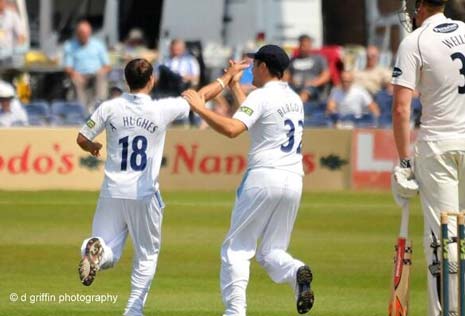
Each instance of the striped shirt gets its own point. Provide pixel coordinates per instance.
(185, 65)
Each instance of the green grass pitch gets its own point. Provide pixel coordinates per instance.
(347, 239)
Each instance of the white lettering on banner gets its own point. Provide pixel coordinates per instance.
(365, 155)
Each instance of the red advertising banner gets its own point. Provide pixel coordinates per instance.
(47, 159)
(374, 156)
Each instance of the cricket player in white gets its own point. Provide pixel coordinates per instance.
(432, 60)
(129, 200)
(268, 198)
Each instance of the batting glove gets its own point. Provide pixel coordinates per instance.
(403, 181)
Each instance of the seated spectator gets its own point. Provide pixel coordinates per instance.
(349, 100)
(374, 76)
(11, 111)
(87, 64)
(12, 33)
(136, 47)
(182, 63)
(309, 72)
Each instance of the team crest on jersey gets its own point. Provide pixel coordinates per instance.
(396, 72)
(446, 28)
(246, 110)
(90, 123)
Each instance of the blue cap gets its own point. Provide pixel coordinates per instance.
(273, 56)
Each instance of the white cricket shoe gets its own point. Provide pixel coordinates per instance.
(90, 262)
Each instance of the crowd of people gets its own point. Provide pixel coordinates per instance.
(335, 94)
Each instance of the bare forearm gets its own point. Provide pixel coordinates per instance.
(239, 95)
(331, 107)
(374, 109)
(211, 90)
(402, 98)
(88, 145)
(401, 129)
(321, 80)
(221, 124)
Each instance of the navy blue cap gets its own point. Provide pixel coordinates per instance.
(273, 56)
(437, 2)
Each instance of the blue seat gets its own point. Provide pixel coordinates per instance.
(38, 113)
(366, 121)
(67, 113)
(385, 121)
(384, 101)
(317, 119)
(314, 106)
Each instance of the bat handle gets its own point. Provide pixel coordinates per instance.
(404, 220)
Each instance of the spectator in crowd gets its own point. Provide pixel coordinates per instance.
(87, 64)
(12, 33)
(182, 63)
(309, 72)
(350, 101)
(374, 76)
(135, 46)
(11, 111)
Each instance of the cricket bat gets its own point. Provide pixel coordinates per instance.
(398, 304)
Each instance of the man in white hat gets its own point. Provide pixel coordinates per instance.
(11, 111)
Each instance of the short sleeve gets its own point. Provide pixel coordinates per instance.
(195, 68)
(96, 124)
(407, 67)
(251, 110)
(103, 54)
(174, 109)
(20, 115)
(335, 95)
(68, 58)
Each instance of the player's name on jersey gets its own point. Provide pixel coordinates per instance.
(130, 121)
(290, 107)
(454, 41)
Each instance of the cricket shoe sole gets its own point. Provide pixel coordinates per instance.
(90, 262)
(305, 296)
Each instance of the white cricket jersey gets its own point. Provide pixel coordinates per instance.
(135, 131)
(274, 116)
(432, 60)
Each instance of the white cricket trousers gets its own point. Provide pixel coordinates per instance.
(442, 188)
(265, 209)
(142, 219)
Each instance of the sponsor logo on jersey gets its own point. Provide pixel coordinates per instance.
(90, 124)
(446, 28)
(396, 72)
(246, 110)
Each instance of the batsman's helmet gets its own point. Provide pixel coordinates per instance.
(409, 9)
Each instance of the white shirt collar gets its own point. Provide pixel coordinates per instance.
(435, 18)
(137, 97)
(279, 83)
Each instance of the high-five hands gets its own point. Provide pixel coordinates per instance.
(195, 100)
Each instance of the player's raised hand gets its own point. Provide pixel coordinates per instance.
(236, 67)
(195, 99)
(237, 77)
